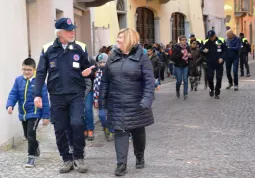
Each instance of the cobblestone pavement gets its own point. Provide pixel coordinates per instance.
(198, 138)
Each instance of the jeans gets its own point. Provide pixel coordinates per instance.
(182, 75)
(171, 68)
(89, 115)
(103, 119)
(122, 143)
(235, 62)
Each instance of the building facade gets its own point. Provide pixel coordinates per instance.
(30, 25)
(214, 16)
(240, 17)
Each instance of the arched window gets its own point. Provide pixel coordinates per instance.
(178, 27)
(145, 24)
(121, 5)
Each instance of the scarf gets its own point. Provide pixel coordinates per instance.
(185, 53)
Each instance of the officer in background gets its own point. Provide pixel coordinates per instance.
(66, 63)
(245, 49)
(214, 50)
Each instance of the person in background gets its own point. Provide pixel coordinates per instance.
(23, 93)
(89, 114)
(232, 59)
(244, 58)
(156, 63)
(109, 50)
(127, 92)
(181, 56)
(171, 63)
(194, 63)
(108, 131)
(163, 56)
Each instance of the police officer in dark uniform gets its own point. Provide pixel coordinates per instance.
(245, 49)
(214, 50)
(66, 63)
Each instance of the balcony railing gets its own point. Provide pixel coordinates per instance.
(243, 7)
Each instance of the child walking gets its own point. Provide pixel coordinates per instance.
(23, 93)
(102, 59)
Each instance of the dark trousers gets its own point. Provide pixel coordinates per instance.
(210, 74)
(244, 62)
(235, 62)
(67, 113)
(24, 126)
(162, 74)
(32, 125)
(122, 143)
(204, 66)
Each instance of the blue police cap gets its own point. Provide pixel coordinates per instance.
(65, 24)
(210, 33)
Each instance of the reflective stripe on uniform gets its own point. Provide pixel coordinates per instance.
(83, 45)
(244, 39)
(45, 47)
(222, 39)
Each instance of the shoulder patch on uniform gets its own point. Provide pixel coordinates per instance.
(83, 45)
(45, 47)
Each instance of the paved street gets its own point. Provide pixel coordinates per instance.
(198, 138)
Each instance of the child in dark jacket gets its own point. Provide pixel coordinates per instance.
(29, 115)
(102, 59)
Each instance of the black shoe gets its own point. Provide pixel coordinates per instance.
(195, 89)
(242, 75)
(211, 93)
(248, 75)
(217, 97)
(66, 167)
(178, 94)
(229, 86)
(139, 163)
(121, 169)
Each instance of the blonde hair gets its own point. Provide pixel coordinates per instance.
(131, 38)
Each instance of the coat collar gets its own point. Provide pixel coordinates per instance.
(135, 54)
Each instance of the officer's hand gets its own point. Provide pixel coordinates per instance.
(190, 55)
(220, 60)
(88, 71)
(38, 102)
(205, 50)
(46, 122)
(9, 109)
(96, 105)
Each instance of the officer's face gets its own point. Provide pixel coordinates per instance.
(67, 36)
(28, 71)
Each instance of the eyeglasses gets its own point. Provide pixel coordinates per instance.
(194, 43)
(183, 39)
(27, 70)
